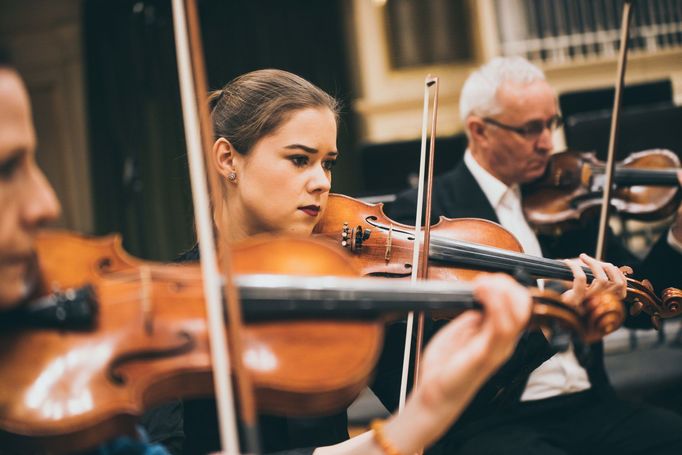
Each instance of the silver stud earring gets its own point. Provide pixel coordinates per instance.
(232, 176)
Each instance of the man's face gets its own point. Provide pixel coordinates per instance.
(510, 156)
(26, 198)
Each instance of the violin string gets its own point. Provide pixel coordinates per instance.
(491, 257)
(543, 267)
(157, 271)
(457, 300)
(642, 176)
(496, 261)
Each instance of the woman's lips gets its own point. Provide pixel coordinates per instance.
(311, 210)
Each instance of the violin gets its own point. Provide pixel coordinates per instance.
(570, 191)
(459, 250)
(140, 334)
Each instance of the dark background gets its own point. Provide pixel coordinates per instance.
(140, 174)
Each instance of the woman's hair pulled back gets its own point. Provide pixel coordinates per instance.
(257, 103)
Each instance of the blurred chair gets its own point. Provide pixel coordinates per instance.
(653, 92)
(394, 166)
(641, 128)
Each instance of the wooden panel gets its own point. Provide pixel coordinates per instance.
(44, 38)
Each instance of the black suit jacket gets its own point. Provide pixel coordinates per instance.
(457, 194)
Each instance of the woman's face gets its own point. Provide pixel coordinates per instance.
(283, 183)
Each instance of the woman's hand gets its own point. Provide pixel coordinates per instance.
(459, 359)
(456, 362)
(607, 278)
(479, 341)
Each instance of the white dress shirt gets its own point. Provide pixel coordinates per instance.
(673, 242)
(561, 373)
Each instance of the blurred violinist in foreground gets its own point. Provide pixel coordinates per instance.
(27, 203)
(301, 157)
(510, 111)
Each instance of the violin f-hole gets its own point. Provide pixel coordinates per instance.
(186, 344)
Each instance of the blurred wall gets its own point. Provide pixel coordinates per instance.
(44, 38)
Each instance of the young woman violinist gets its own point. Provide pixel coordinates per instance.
(27, 201)
(275, 150)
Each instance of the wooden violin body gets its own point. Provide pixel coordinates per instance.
(570, 192)
(146, 341)
(459, 249)
(383, 247)
(148, 344)
(388, 253)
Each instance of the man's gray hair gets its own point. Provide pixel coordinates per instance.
(479, 92)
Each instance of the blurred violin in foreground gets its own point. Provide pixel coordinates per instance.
(107, 335)
(570, 192)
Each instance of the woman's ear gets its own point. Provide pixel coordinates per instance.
(225, 157)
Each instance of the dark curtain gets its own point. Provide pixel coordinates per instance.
(139, 167)
(136, 137)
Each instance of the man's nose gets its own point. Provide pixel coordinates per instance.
(546, 141)
(40, 204)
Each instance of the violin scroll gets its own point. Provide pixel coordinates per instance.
(672, 299)
(595, 318)
(641, 297)
(605, 314)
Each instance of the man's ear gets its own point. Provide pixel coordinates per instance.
(477, 129)
(225, 157)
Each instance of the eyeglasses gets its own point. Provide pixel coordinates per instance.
(531, 130)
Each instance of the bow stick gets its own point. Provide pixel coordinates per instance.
(615, 127)
(199, 134)
(421, 270)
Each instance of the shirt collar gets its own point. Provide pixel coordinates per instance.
(493, 188)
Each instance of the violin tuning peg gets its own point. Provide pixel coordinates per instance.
(672, 298)
(626, 270)
(636, 307)
(656, 321)
(647, 284)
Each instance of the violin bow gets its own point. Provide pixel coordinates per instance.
(600, 252)
(199, 136)
(421, 271)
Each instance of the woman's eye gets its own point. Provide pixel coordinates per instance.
(299, 160)
(328, 164)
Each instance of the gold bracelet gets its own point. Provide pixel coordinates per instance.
(377, 427)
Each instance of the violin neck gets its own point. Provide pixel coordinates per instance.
(499, 260)
(279, 296)
(658, 177)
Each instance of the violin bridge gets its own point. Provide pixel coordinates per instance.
(389, 243)
(558, 173)
(145, 290)
(586, 175)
